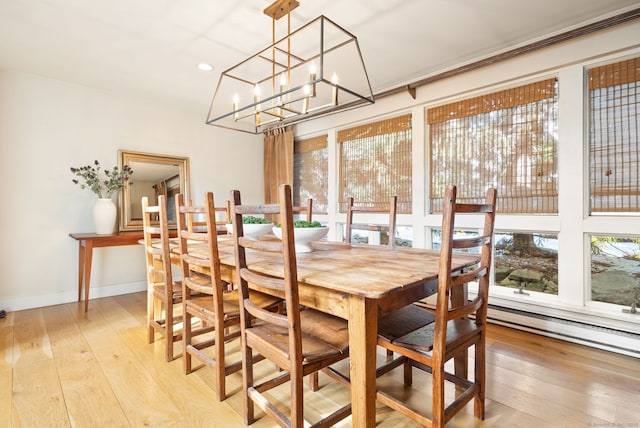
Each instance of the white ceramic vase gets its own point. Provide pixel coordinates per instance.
(104, 216)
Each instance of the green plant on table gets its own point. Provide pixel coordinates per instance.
(249, 219)
(303, 224)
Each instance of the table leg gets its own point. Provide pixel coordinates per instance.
(81, 252)
(88, 250)
(363, 339)
(459, 296)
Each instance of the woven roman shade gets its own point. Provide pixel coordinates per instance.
(507, 140)
(614, 133)
(375, 163)
(310, 172)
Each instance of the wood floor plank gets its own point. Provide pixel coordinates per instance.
(60, 363)
(6, 368)
(37, 399)
(195, 400)
(139, 394)
(132, 303)
(601, 385)
(572, 376)
(548, 402)
(536, 345)
(89, 398)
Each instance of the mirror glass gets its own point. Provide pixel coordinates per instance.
(153, 175)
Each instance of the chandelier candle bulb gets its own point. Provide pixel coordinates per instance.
(256, 95)
(334, 95)
(305, 102)
(283, 87)
(235, 107)
(256, 101)
(312, 78)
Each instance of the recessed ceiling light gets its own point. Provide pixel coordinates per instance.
(205, 67)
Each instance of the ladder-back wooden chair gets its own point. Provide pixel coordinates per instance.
(390, 228)
(162, 292)
(301, 342)
(388, 209)
(195, 223)
(306, 209)
(205, 295)
(458, 325)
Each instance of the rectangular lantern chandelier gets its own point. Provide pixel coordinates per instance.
(313, 71)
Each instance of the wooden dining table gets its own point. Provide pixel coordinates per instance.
(356, 282)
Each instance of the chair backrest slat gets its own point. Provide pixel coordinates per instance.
(389, 209)
(306, 209)
(473, 242)
(198, 222)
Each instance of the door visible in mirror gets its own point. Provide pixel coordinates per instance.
(153, 175)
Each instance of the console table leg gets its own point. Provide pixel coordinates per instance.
(88, 250)
(80, 269)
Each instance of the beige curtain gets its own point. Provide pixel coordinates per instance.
(278, 163)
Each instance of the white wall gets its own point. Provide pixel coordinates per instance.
(47, 126)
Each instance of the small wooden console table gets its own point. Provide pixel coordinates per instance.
(86, 243)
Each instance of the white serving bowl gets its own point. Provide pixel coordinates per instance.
(252, 230)
(303, 236)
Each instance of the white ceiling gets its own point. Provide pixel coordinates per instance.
(153, 46)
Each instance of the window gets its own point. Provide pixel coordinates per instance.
(614, 100)
(524, 261)
(507, 139)
(527, 261)
(310, 174)
(614, 179)
(375, 163)
(615, 270)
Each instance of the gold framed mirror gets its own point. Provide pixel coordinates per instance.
(153, 175)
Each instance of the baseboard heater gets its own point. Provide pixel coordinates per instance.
(605, 338)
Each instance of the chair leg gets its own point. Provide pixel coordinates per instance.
(480, 376)
(168, 332)
(408, 373)
(297, 398)
(186, 340)
(219, 357)
(438, 395)
(150, 314)
(313, 381)
(461, 364)
(247, 382)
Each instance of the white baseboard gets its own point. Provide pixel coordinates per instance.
(608, 339)
(50, 299)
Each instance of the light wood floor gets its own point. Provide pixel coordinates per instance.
(60, 367)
